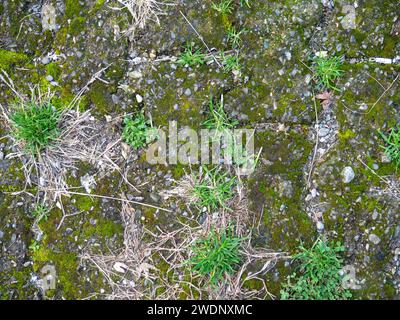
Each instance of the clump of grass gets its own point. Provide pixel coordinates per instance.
(213, 188)
(138, 131)
(231, 62)
(41, 120)
(223, 7)
(327, 70)
(191, 57)
(319, 274)
(35, 125)
(216, 255)
(234, 36)
(218, 119)
(392, 147)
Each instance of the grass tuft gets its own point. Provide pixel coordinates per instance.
(217, 255)
(319, 274)
(234, 37)
(35, 125)
(231, 62)
(191, 57)
(392, 147)
(218, 118)
(327, 70)
(223, 7)
(213, 189)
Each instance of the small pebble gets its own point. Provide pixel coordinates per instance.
(348, 174)
(135, 74)
(139, 98)
(314, 193)
(45, 60)
(320, 226)
(374, 238)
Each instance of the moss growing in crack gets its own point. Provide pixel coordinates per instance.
(103, 229)
(61, 250)
(72, 9)
(66, 264)
(276, 189)
(345, 136)
(16, 285)
(97, 6)
(115, 73)
(85, 203)
(9, 59)
(54, 70)
(149, 215)
(100, 98)
(77, 25)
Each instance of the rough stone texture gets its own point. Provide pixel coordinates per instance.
(273, 94)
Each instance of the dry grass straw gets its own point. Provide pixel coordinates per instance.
(142, 12)
(153, 263)
(81, 139)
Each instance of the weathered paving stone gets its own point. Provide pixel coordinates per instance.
(274, 93)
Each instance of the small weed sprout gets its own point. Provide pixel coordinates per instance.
(40, 212)
(34, 246)
(223, 7)
(392, 147)
(219, 120)
(234, 37)
(35, 125)
(319, 275)
(327, 70)
(138, 131)
(216, 255)
(230, 63)
(191, 57)
(213, 189)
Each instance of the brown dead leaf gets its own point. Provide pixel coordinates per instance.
(323, 96)
(326, 99)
